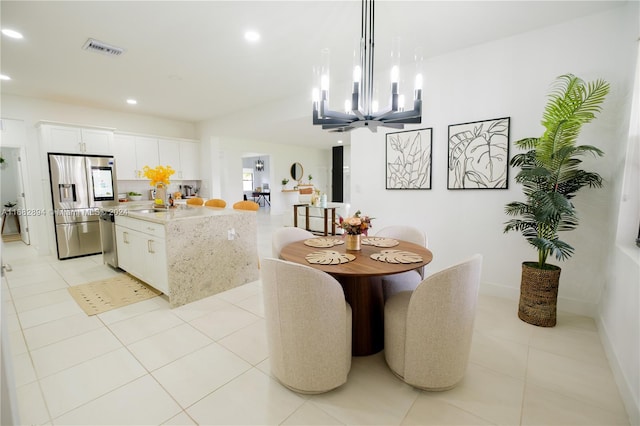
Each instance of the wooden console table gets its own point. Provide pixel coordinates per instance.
(325, 216)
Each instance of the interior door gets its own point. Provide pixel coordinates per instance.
(18, 155)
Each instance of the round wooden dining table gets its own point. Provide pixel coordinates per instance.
(361, 280)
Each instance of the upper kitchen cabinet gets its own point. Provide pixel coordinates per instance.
(146, 153)
(182, 155)
(124, 151)
(190, 160)
(76, 140)
(169, 155)
(133, 152)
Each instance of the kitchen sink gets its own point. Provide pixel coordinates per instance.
(148, 210)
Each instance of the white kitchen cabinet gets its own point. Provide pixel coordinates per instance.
(133, 152)
(76, 140)
(142, 251)
(124, 152)
(190, 160)
(129, 257)
(156, 263)
(169, 155)
(183, 156)
(146, 153)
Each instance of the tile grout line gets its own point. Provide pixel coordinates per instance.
(37, 378)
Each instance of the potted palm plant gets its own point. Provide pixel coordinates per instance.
(550, 174)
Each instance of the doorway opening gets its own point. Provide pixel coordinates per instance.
(256, 178)
(15, 223)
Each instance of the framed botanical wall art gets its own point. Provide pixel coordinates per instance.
(408, 159)
(479, 155)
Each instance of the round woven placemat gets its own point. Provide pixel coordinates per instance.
(380, 242)
(323, 242)
(397, 256)
(329, 257)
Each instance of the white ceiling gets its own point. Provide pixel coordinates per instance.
(189, 61)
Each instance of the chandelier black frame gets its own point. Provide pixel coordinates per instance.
(361, 114)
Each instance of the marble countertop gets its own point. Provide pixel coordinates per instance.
(144, 211)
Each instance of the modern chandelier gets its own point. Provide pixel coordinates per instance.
(361, 110)
(259, 165)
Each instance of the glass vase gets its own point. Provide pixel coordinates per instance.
(161, 195)
(352, 242)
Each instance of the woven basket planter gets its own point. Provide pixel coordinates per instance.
(539, 294)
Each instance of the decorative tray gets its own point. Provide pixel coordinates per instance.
(380, 242)
(329, 257)
(323, 242)
(397, 256)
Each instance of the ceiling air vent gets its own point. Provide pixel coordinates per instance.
(104, 48)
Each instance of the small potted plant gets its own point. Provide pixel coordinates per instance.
(285, 181)
(134, 196)
(550, 174)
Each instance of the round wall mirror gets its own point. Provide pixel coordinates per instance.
(296, 171)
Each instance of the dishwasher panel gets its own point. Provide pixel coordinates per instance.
(108, 238)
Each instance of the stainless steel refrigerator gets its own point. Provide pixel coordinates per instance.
(80, 185)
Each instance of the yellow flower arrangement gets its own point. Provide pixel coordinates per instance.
(158, 175)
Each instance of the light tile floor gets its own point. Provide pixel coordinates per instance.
(207, 362)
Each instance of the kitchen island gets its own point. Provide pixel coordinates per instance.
(188, 253)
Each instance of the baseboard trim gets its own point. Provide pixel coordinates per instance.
(573, 306)
(631, 403)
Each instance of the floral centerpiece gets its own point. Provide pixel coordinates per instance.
(159, 178)
(158, 175)
(354, 227)
(356, 224)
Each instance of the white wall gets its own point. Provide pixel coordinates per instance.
(619, 319)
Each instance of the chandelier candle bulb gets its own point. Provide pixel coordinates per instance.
(418, 85)
(364, 112)
(324, 83)
(395, 75)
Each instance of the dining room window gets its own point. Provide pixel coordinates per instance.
(247, 179)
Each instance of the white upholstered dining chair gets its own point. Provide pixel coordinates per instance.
(427, 332)
(308, 326)
(392, 284)
(287, 235)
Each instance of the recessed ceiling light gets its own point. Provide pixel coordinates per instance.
(132, 101)
(4, 77)
(11, 33)
(251, 36)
